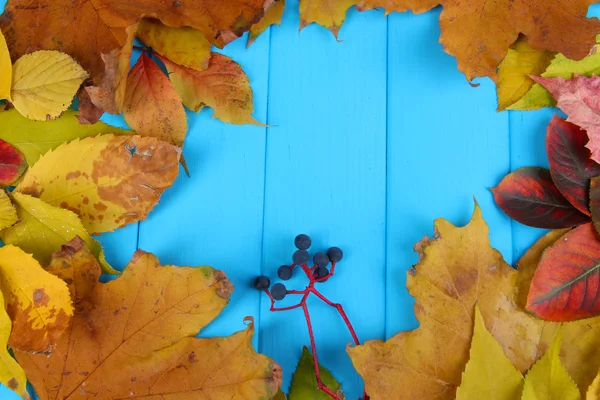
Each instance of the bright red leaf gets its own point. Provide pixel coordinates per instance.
(529, 196)
(12, 164)
(566, 284)
(570, 164)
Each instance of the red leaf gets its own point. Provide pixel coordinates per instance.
(570, 164)
(566, 284)
(595, 201)
(529, 196)
(12, 164)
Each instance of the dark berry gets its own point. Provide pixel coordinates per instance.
(284, 272)
(320, 272)
(300, 257)
(335, 254)
(262, 282)
(302, 241)
(278, 291)
(321, 259)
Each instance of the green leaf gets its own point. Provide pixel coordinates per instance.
(304, 382)
(34, 138)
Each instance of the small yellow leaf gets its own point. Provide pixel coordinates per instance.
(489, 374)
(520, 62)
(8, 214)
(44, 84)
(184, 46)
(5, 69)
(42, 229)
(593, 392)
(328, 13)
(548, 379)
(38, 303)
(11, 373)
(272, 17)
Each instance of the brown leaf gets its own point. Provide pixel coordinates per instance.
(85, 29)
(134, 337)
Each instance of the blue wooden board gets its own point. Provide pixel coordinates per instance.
(369, 140)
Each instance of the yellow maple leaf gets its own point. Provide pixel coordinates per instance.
(328, 13)
(38, 303)
(5, 69)
(43, 228)
(108, 180)
(489, 373)
(548, 379)
(272, 17)
(11, 373)
(44, 84)
(8, 214)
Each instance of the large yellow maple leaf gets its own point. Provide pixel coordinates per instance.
(134, 337)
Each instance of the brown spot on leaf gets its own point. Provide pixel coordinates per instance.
(40, 298)
(13, 384)
(73, 175)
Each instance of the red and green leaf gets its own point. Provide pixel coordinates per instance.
(529, 196)
(570, 164)
(12, 164)
(566, 284)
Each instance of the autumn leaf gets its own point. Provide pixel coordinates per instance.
(578, 98)
(101, 24)
(304, 381)
(489, 373)
(595, 202)
(35, 139)
(272, 17)
(134, 336)
(44, 84)
(5, 69)
(281, 396)
(538, 96)
(223, 86)
(152, 107)
(184, 46)
(548, 378)
(11, 373)
(8, 213)
(38, 303)
(514, 71)
(458, 268)
(593, 392)
(570, 164)
(42, 229)
(328, 13)
(12, 163)
(108, 180)
(529, 196)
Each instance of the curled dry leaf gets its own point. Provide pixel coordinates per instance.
(152, 107)
(11, 373)
(12, 163)
(304, 381)
(101, 24)
(272, 17)
(570, 164)
(108, 180)
(34, 139)
(184, 46)
(529, 196)
(38, 303)
(5, 69)
(8, 213)
(45, 83)
(223, 86)
(43, 228)
(134, 336)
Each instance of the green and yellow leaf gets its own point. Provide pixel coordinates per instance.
(11, 373)
(44, 84)
(8, 213)
(304, 381)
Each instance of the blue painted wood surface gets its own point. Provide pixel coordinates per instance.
(369, 140)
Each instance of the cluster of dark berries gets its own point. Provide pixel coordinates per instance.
(319, 272)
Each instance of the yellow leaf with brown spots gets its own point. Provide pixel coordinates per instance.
(108, 180)
(223, 86)
(8, 214)
(272, 17)
(457, 269)
(38, 303)
(11, 373)
(184, 46)
(134, 337)
(43, 228)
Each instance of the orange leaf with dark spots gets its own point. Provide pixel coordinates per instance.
(134, 337)
(566, 283)
(12, 164)
(529, 196)
(152, 107)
